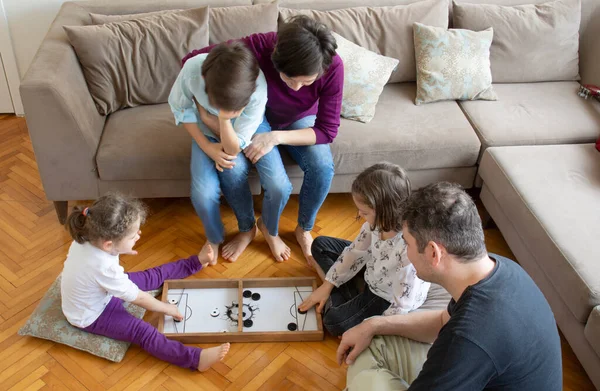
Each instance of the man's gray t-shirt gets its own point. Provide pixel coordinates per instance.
(501, 336)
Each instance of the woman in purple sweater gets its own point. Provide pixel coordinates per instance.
(305, 80)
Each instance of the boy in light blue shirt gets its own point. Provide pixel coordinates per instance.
(220, 99)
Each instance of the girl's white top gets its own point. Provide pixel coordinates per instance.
(90, 278)
(389, 274)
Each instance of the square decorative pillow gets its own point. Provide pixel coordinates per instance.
(225, 22)
(48, 322)
(365, 75)
(532, 42)
(383, 30)
(452, 64)
(136, 62)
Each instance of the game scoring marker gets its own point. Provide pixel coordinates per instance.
(292, 326)
(256, 296)
(247, 294)
(173, 301)
(214, 313)
(301, 312)
(248, 323)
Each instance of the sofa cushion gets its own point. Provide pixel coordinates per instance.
(365, 75)
(384, 30)
(535, 113)
(532, 42)
(135, 62)
(144, 143)
(592, 330)
(550, 195)
(452, 64)
(225, 22)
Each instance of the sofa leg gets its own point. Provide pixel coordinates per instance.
(486, 220)
(61, 208)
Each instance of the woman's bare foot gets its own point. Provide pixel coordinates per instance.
(280, 250)
(209, 253)
(211, 356)
(305, 240)
(233, 249)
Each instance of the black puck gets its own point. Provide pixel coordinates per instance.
(301, 312)
(248, 323)
(292, 326)
(256, 296)
(176, 321)
(247, 293)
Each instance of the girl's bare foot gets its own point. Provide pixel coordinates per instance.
(280, 250)
(305, 240)
(209, 253)
(233, 249)
(211, 356)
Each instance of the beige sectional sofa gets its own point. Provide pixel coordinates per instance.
(82, 154)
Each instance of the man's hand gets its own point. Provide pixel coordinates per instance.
(318, 297)
(173, 311)
(221, 159)
(354, 341)
(262, 144)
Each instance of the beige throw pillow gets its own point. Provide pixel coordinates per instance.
(452, 64)
(135, 62)
(383, 30)
(365, 75)
(534, 42)
(225, 22)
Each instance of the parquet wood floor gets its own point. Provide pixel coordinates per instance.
(33, 247)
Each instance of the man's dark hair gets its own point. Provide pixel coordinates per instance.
(304, 47)
(444, 213)
(230, 72)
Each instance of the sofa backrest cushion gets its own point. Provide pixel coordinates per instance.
(135, 62)
(532, 42)
(225, 22)
(383, 30)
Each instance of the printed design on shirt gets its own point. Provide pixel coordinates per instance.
(405, 289)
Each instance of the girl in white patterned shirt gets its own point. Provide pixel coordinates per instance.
(372, 275)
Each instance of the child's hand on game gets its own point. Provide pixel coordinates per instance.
(173, 311)
(318, 298)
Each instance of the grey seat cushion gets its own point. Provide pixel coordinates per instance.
(551, 195)
(535, 114)
(144, 143)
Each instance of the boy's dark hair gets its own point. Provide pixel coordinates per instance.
(444, 213)
(230, 71)
(304, 47)
(385, 188)
(110, 217)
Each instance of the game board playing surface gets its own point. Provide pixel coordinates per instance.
(207, 310)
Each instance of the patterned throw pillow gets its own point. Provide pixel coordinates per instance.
(48, 322)
(365, 75)
(452, 64)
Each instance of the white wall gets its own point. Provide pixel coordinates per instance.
(28, 21)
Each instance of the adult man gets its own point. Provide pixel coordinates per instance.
(498, 331)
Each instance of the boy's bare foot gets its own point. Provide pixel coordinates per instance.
(209, 253)
(305, 240)
(237, 245)
(280, 250)
(211, 356)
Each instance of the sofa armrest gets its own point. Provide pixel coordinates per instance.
(64, 124)
(589, 49)
(592, 330)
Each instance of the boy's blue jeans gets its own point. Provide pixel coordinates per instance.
(207, 183)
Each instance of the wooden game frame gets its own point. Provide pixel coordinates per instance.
(240, 335)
